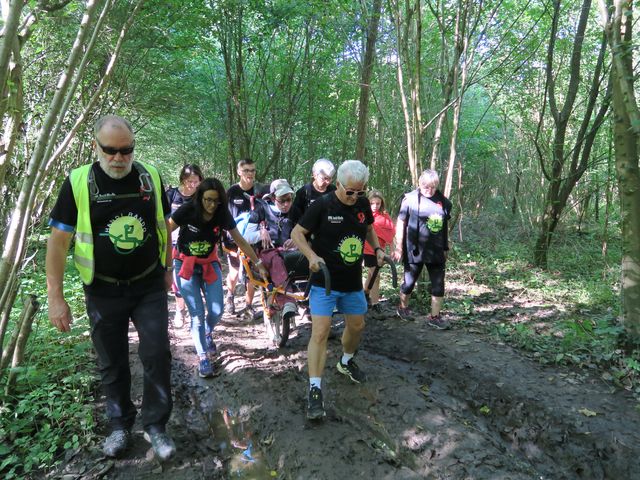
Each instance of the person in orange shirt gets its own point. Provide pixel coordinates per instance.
(384, 228)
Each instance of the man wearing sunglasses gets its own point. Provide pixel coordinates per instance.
(116, 208)
(340, 222)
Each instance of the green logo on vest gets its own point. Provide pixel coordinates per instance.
(350, 250)
(126, 233)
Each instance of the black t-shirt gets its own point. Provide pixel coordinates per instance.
(197, 237)
(339, 232)
(426, 222)
(305, 196)
(124, 231)
(176, 200)
(239, 201)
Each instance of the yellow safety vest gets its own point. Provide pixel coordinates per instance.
(83, 251)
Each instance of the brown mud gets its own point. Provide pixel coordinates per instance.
(453, 404)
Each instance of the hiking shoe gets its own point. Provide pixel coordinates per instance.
(162, 445)
(205, 369)
(212, 349)
(405, 313)
(250, 313)
(436, 321)
(352, 371)
(116, 443)
(229, 305)
(315, 407)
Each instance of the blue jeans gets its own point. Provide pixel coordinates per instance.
(191, 290)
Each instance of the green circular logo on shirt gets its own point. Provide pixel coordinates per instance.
(435, 222)
(126, 233)
(350, 250)
(199, 248)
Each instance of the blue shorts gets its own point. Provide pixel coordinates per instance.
(348, 303)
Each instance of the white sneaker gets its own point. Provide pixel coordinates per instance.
(162, 445)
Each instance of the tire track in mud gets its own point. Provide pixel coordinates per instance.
(437, 405)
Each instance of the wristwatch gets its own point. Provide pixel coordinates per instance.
(169, 269)
(375, 250)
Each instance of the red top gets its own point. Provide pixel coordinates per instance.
(188, 262)
(383, 226)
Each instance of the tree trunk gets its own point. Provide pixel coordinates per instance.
(565, 170)
(14, 244)
(365, 82)
(11, 19)
(23, 328)
(618, 29)
(408, 33)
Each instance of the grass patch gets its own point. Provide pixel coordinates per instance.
(566, 315)
(51, 410)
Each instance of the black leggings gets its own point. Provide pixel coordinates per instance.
(436, 276)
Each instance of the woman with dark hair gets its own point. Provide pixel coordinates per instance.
(196, 263)
(190, 178)
(383, 226)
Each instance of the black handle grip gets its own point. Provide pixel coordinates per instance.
(394, 273)
(327, 281)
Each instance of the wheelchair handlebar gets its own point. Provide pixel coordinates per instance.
(394, 273)
(327, 280)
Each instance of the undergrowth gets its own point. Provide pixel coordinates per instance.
(50, 412)
(567, 314)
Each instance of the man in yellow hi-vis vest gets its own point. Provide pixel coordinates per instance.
(117, 210)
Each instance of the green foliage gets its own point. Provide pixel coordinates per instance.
(51, 410)
(564, 316)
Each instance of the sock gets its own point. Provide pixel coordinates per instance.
(346, 357)
(315, 382)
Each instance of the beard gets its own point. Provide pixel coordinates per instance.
(116, 173)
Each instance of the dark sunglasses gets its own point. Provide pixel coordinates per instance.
(115, 151)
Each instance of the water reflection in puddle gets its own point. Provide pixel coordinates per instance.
(236, 443)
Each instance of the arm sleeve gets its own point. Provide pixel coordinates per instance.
(179, 217)
(64, 215)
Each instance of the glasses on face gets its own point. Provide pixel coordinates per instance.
(114, 151)
(211, 201)
(323, 178)
(248, 170)
(359, 193)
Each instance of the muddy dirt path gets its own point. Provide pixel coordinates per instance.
(438, 405)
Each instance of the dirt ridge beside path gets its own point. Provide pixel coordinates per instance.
(437, 405)
(567, 424)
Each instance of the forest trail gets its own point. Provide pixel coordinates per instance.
(438, 405)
